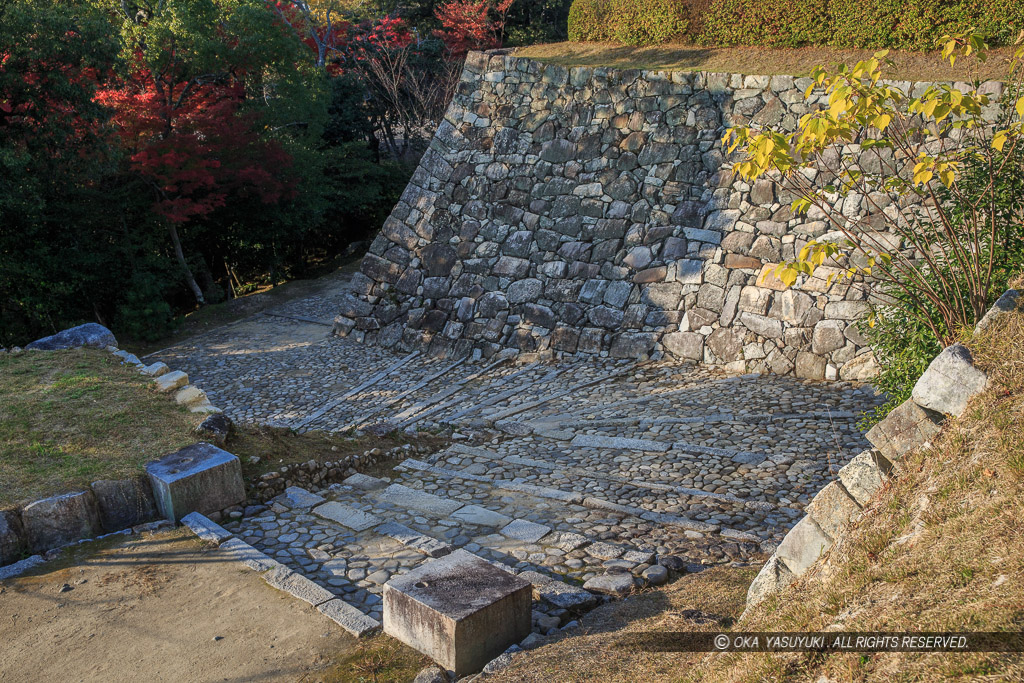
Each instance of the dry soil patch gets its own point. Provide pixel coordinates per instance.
(160, 608)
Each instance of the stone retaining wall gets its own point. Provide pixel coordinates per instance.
(944, 389)
(588, 210)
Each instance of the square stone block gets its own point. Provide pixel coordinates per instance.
(459, 610)
(53, 522)
(198, 478)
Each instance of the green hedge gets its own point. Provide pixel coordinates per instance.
(898, 24)
(631, 22)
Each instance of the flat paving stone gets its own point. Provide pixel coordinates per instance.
(526, 531)
(297, 497)
(396, 494)
(348, 617)
(349, 517)
(474, 514)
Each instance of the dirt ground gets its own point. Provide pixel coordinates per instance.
(159, 608)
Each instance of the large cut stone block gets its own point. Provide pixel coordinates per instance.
(124, 503)
(773, 577)
(198, 478)
(459, 610)
(864, 476)
(89, 334)
(12, 537)
(906, 428)
(950, 381)
(833, 509)
(57, 521)
(803, 545)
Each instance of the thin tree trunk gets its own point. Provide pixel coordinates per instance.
(184, 265)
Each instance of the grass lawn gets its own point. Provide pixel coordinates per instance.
(915, 66)
(68, 418)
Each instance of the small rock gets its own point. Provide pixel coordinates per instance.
(432, 674)
(655, 575)
(619, 585)
(672, 562)
(531, 641)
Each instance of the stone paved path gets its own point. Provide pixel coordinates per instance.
(565, 469)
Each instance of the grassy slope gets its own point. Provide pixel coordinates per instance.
(941, 549)
(68, 418)
(915, 66)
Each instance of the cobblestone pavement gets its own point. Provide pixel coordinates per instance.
(565, 469)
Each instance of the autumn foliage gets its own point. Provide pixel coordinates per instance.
(471, 24)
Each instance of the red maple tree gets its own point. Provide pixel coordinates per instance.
(471, 25)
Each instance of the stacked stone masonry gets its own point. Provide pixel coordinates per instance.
(592, 210)
(944, 389)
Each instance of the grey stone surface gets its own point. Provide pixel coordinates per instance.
(124, 503)
(773, 577)
(349, 618)
(564, 596)
(89, 334)
(409, 537)
(619, 585)
(298, 497)
(833, 509)
(620, 442)
(459, 610)
(474, 514)
(655, 575)
(906, 428)
(57, 521)
(950, 381)
(20, 567)
(347, 516)
(1007, 303)
(252, 558)
(364, 482)
(205, 528)
(431, 674)
(298, 586)
(419, 500)
(197, 478)
(864, 475)
(12, 537)
(803, 545)
(525, 530)
(215, 428)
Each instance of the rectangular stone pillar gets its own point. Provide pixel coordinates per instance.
(459, 610)
(198, 478)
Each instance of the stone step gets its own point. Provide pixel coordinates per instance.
(654, 493)
(424, 408)
(529, 380)
(587, 501)
(333, 403)
(363, 418)
(581, 516)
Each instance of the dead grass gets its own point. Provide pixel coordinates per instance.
(917, 66)
(601, 651)
(942, 549)
(378, 660)
(68, 418)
